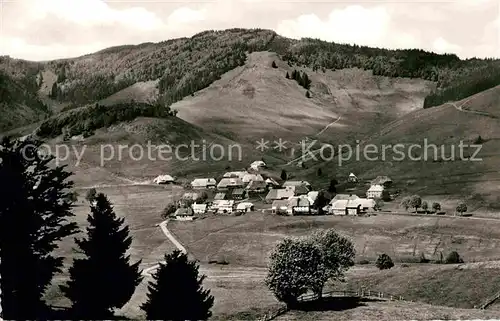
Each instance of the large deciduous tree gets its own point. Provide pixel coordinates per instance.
(338, 256)
(296, 266)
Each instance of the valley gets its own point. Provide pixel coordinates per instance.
(233, 88)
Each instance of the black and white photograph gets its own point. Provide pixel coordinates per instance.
(249, 160)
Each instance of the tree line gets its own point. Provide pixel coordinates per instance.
(89, 118)
(36, 215)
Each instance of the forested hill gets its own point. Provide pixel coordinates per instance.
(186, 65)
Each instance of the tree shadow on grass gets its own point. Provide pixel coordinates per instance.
(333, 304)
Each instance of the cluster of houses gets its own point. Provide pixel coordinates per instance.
(232, 191)
(230, 196)
(297, 198)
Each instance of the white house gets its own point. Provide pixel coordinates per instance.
(199, 208)
(223, 206)
(279, 206)
(244, 207)
(163, 179)
(352, 178)
(203, 183)
(339, 207)
(299, 205)
(375, 191)
(280, 194)
(184, 214)
(354, 206)
(257, 165)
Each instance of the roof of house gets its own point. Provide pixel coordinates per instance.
(271, 181)
(230, 181)
(238, 191)
(252, 177)
(239, 174)
(163, 179)
(366, 202)
(200, 207)
(381, 180)
(244, 205)
(344, 197)
(190, 195)
(279, 193)
(352, 175)
(225, 203)
(300, 189)
(184, 211)
(258, 163)
(299, 201)
(279, 203)
(256, 185)
(376, 188)
(312, 195)
(220, 196)
(339, 204)
(203, 181)
(296, 183)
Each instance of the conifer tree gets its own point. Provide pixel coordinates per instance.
(35, 206)
(306, 82)
(287, 75)
(176, 292)
(308, 94)
(283, 175)
(103, 279)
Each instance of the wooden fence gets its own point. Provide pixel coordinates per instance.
(363, 293)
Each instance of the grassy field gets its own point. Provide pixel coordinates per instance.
(462, 286)
(389, 310)
(247, 240)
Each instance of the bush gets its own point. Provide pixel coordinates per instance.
(384, 262)
(453, 258)
(423, 259)
(363, 262)
(91, 194)
(168, 210)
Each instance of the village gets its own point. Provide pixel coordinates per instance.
(238, 192)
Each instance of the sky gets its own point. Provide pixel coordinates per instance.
(52, 29)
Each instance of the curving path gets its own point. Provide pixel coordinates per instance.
(327, 126)
(210, 271)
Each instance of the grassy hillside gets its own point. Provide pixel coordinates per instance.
(445, 126)
(19, 103)
(178, 68)
(257, 100)
(463, 286)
